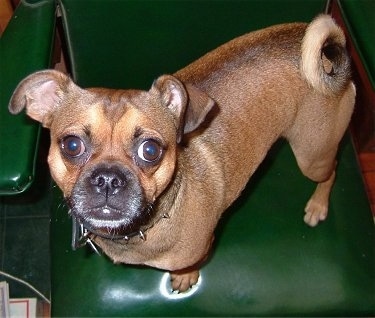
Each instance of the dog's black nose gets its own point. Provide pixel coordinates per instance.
(108, 181)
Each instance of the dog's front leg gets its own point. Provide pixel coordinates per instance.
(184, 279)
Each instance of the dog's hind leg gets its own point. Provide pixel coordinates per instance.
(314, 138)
(316, 209)
(323, 172)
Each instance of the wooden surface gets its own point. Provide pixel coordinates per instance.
(367, 161)
(6, 10)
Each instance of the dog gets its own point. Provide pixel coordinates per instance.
(148, 174)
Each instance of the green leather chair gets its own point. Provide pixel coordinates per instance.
(25, 47)
(266, 261)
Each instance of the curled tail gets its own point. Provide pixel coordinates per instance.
(325, 62)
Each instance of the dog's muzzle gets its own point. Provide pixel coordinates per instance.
(109, 199)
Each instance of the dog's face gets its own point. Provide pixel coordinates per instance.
(113, 157)
(113, 152)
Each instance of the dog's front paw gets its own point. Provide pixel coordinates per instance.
(182, 280)
(315, 212)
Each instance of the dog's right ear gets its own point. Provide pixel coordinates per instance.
(40, 93)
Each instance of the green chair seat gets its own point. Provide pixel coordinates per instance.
(266, 261)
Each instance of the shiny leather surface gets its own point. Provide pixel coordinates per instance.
(25, 47)
(266, 261)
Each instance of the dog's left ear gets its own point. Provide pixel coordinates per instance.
(188, 104)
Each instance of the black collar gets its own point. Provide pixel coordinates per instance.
(82, 235)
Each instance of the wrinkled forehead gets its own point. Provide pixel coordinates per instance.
(107, 111)
(112, 105)
(117, 103)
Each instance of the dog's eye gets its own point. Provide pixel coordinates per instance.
(149, 151)
(72, 146)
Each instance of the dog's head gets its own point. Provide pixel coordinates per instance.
(113, 152)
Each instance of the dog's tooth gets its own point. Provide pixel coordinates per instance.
(93, 247)
(166, 216)
(142, 235)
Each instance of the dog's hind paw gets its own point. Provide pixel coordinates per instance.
(315, 212)
(181, 281)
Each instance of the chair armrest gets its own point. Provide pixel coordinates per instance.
(25, 46)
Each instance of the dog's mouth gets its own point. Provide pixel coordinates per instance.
(105, 216)
(111, 223)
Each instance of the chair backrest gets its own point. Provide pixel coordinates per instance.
(127, 44)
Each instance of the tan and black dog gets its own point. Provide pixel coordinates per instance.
(166, 163)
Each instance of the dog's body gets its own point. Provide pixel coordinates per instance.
(168, 162)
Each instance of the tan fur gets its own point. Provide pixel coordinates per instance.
(217, 119)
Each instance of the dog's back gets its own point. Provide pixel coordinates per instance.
(289, 80)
